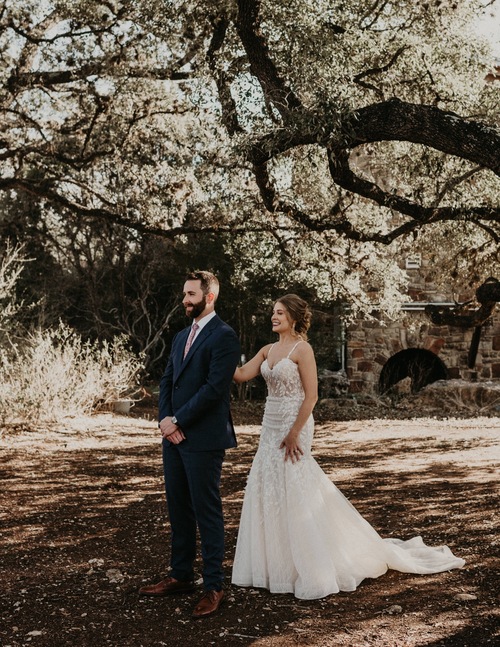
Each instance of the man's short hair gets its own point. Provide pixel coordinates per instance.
(209, 282)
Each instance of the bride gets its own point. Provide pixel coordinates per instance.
(298, 533)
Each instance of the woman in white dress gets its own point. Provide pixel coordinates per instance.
(298, 533)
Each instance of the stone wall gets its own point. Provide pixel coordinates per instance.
(371, 343)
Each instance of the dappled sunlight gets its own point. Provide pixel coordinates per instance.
(436, 448)
(84, 524)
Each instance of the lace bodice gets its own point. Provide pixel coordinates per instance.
(283, 380)
(284, 399)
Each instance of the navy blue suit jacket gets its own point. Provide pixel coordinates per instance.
(196, 390)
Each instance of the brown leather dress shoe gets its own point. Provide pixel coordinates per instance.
(168, 586)
(209, 603)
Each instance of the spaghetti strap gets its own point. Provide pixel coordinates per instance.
(288, 356)
(272, 346)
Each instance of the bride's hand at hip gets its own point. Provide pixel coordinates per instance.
(292, 448)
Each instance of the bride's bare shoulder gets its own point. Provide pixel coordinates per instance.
(264, 351)
(304, 350)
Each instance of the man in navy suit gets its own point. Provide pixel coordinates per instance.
(196, 425)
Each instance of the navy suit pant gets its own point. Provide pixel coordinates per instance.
(192, 485)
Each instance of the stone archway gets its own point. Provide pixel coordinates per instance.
(420, 365)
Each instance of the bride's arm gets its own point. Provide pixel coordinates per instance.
(252, 368)
(309, 378)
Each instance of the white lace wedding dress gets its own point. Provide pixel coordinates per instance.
(298, 533)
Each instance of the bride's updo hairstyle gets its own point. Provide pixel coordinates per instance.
(298, 312)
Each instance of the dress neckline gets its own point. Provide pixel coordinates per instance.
(283, 358)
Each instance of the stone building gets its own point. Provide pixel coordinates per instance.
(370, 344)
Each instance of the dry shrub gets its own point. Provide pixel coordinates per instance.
(54, 374)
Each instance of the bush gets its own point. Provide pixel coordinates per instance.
(54, 374)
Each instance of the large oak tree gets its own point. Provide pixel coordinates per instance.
(342, 134)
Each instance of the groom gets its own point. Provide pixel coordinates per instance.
(196, 426)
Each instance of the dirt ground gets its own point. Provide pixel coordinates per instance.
(83, 525)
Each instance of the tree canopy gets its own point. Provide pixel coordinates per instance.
(339, 135)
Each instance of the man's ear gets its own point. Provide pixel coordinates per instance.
(210, 297)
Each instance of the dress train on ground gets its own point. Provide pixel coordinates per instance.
(298, 533)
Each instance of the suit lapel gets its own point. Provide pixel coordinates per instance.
(178, 361)
(203, 335)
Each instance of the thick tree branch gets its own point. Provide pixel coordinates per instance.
(222, 79)
(392, 120)
(487, 295)
(445, 131)
(386, 121)
(275, 89)
(60, 77)
(343, 175)
(275, 205)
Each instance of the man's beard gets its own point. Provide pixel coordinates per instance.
(197, 308)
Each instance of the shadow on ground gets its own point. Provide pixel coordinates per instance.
(83, 526)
